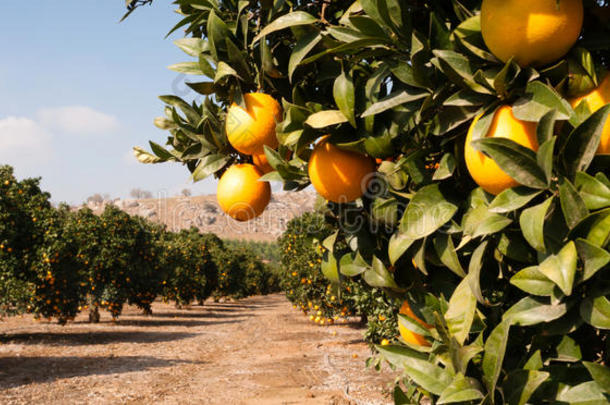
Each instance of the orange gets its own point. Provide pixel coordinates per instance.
(248, 130)
(595, 100)
(534, 32)
(408, 335)
(240, 194)
(260, 161)
(339, 175)
(484, 171)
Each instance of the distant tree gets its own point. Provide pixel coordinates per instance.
(95, 198)
(140, 194)
(186, 192)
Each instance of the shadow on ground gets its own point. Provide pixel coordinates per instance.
(18, 371)
(92, 338)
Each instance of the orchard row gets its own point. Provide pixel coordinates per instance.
(56, 262)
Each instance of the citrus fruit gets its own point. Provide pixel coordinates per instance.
(595, 100)
(408, 335)
(483, 170)
(261, 162)
(535, 33)
(249, 129)
(240, 194)
(339, 175)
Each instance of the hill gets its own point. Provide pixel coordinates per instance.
(204, 213)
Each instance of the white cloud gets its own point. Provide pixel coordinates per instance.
(24, 143)
(79, 120)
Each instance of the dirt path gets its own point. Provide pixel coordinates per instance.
(255, 351)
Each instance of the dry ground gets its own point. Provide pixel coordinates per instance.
(254, 351)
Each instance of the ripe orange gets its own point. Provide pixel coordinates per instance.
(248, 130)
(339, 175)
(261, 162)
(535, 33)
(408, 335)
(595, 100)
(484, 171)
(240, 194)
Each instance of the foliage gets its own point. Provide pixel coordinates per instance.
(56, 262)
(515, 285)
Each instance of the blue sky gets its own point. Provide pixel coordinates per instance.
(79, 90)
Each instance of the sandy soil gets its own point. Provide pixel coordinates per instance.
(254, 351)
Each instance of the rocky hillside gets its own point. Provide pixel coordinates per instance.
(204, 213)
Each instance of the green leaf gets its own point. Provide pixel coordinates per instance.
(217, 33)
(582, 143)
(474, 272)
(544, 158)
(495, 349)
(398, 245)
(461, 310)
(600, 374)
(345, 98)
(595, 258)
(594, 193)
(572, 205)
(512, 199)
(412, 325)
(352, 264)
(532, 281)
(588, 393)
(425, 374)
(546, 127)
(145, 157)
(531, 311)
(160, 151)
(561, 268)
(394, 100)
(521, 384)
(223, 71)
(329, 266)
(379, 276)
(595, 228)
(209, 165)
(205, 88)
(188, 68)
(445, 249)
(462, 389)
(446, 167)
(517, 161)
(568, 350)
(289, 20)
(303, 46)
(323, 119)
(596, 312)
(539, 100)
(192, 46)
(459, 69)
(532, 224)
(492, 224)
(427, 211)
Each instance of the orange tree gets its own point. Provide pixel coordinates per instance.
(191, 272)
(323, 301)
(22, 206)
(488, 211)
(125, 267)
